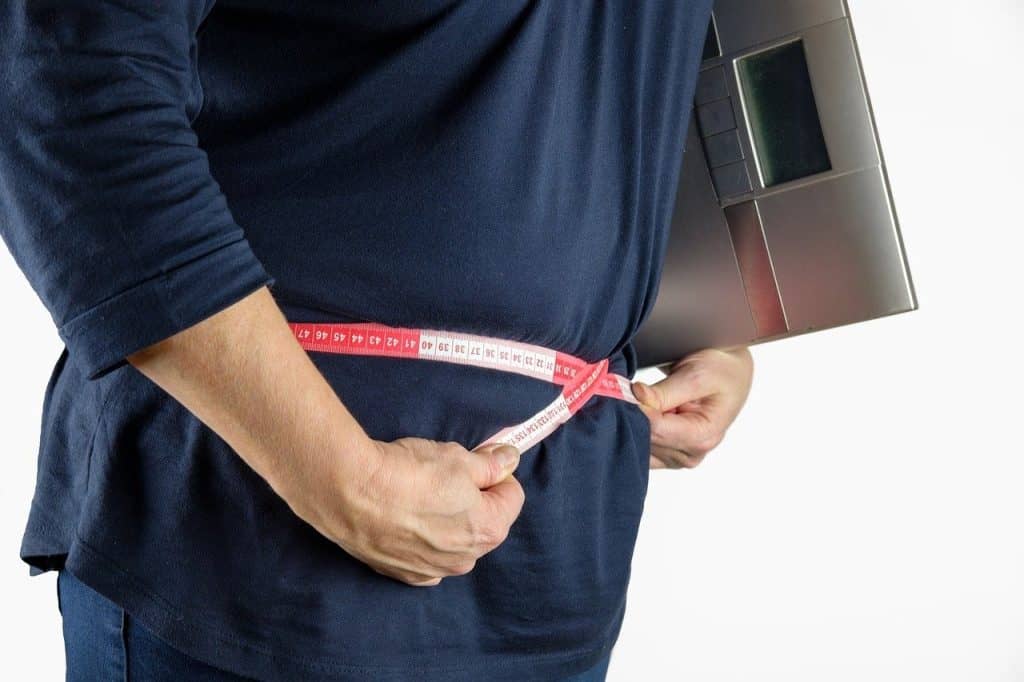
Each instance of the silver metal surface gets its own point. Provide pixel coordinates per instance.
(831, 241)
(701, 301)
(743, 24)
(849, 270)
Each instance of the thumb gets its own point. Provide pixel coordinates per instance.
(648, 395)
(491, 464)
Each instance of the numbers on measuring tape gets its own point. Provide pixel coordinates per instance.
(518, 357)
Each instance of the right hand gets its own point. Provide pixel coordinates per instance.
(413, 509)
(420, 510)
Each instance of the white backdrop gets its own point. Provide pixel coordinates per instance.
(864, 518)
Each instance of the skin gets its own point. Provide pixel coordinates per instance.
(413, 509)
(691, 409)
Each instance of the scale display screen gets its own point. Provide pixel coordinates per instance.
(782, 114)
(783, 221)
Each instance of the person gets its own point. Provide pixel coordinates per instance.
(182, 181)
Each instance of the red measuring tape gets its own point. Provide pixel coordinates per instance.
(580, 380)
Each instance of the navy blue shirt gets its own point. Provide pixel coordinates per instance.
(499, 168)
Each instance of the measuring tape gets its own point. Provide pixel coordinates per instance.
(580, 380)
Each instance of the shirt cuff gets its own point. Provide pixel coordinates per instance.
(100, 338)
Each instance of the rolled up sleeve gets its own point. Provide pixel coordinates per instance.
(107, 203)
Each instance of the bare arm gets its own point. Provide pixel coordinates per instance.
(413, 509)
(269, 402)
(111, 210)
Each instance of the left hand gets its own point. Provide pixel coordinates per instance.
(691, 409)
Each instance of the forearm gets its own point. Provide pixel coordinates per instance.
(242, 373)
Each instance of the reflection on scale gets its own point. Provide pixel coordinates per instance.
(784, 221)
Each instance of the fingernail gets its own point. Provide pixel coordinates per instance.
(507, 455)
(642, 392)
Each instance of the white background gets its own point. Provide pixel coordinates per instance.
(864, 518)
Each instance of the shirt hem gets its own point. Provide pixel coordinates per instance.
(198, 639)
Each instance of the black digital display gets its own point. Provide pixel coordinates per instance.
(782, 113)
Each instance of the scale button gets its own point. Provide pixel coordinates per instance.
(723, 148)
(731, 180)
(711, 85)
(715, 117)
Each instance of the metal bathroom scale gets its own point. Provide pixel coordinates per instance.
(784, 220)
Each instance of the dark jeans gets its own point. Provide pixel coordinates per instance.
(102, 642)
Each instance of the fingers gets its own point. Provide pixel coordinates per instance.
(699, 375)
(696, 433)
(440, 508)
(500, 507)
(409, 577)
(657, 463)
(670, 458)
(505, 500)
(691, 409)
(455, 546)
(689, 381)
(490, 465)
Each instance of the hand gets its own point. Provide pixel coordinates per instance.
(424, 510)
(691, 409)
(412, 509)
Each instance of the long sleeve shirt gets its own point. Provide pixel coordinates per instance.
(498, 168)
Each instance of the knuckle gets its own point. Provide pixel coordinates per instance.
(424, 583)
(394, 574)
(448, 486)
(693, 460)
(489, 535)
(672, 459)
(657, 429)
(501, 534)
(462, 567)
(709, 442)
(520, 494)
(458, 542)
(494, 469)
(698, 378)
(716, 355)
(418, 579)
(446, 472)
(474, 535)
(450, 447)
(676, 462)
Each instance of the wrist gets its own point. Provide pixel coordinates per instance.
(356, 486)
(327, 475)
